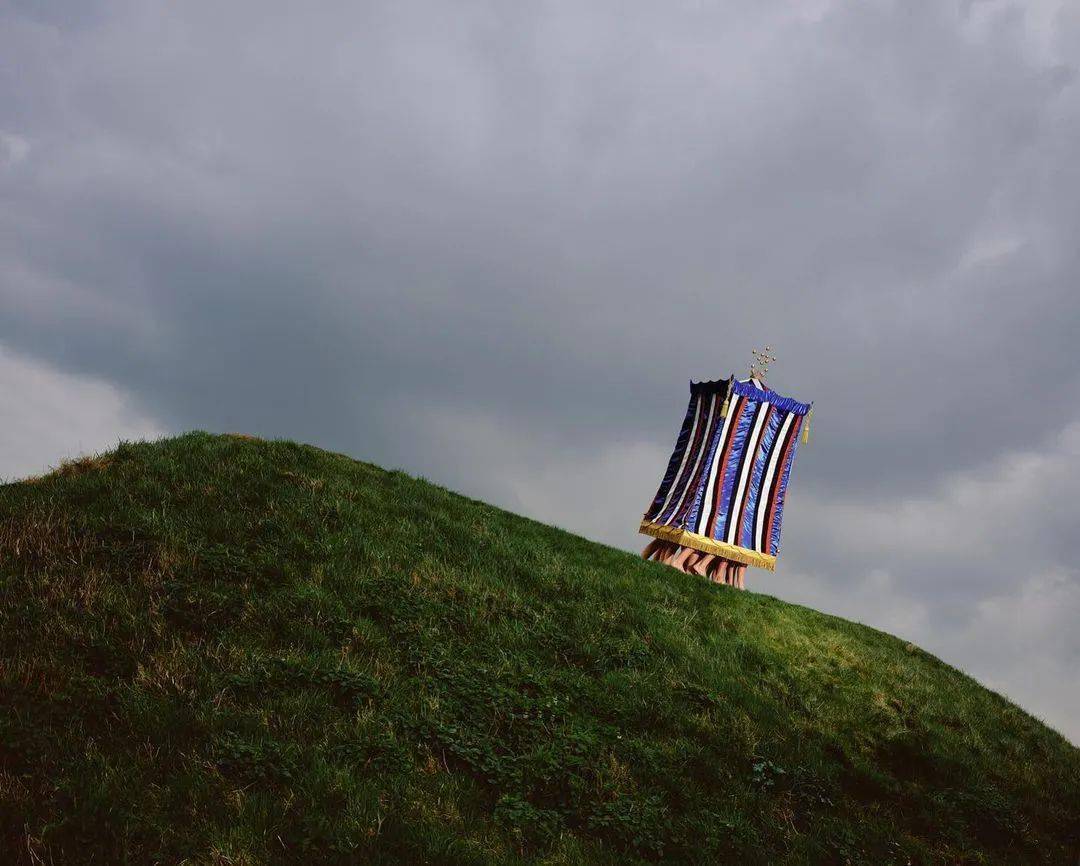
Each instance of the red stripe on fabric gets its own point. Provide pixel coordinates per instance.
(718, 486)
(699, 459)
(688, 470)
(777, 480)
(750, 478)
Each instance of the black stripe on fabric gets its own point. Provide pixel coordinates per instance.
(734, 409)
(762, 494)
(749, 492)
(703, 477)
(694, 489)
(774, 488)
(738, 473)
(681, 442)
(718, 386)
(690, 472)
(677, 489)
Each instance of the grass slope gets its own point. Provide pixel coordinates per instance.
(219, 650)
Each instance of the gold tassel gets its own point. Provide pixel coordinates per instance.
(727, 400)
(806, 426)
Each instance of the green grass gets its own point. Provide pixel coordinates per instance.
(221, 650)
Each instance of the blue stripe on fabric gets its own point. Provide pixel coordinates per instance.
(774, 535)
(702, 479)
(731, 477)
(753, 495)
(681, 442)
(701, 413)
(786, 404)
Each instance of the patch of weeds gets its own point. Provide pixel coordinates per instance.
(640, 825)
(767, 776)
(348, 688)
(529, 825)
(255, 761)
(381, 753)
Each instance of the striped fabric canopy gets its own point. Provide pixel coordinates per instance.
(723, 492)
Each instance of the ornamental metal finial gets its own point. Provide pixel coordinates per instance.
(762, 358)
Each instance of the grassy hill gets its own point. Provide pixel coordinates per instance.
(221, 650)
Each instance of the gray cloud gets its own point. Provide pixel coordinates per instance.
(492, 243)
(49, 416)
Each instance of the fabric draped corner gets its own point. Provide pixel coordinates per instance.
(724, 488)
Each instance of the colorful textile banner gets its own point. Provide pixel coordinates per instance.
(725, 484)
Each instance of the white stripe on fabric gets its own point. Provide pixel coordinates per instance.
(707, 505)
(748, 465)
(766, 483)
(700, 455)
(682, 463)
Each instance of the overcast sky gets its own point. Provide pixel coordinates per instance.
(490, 243)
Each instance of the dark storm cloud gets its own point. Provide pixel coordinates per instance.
(491, 243)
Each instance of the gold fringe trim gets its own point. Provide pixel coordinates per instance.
(708, 545)
(806, 426)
